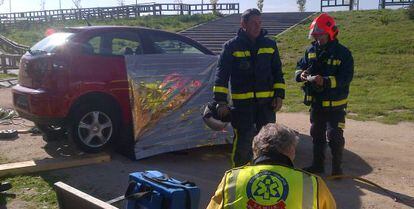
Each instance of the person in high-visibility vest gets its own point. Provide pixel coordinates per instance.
(250, 63)
(272, 181)
(326, 69)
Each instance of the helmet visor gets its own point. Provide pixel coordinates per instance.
(316, 32)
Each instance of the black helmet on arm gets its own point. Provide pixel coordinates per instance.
(211, 118)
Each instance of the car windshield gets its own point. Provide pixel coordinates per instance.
(48, 44)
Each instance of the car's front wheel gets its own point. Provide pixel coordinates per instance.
(93, 127)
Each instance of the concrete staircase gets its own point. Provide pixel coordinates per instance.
(215, 33)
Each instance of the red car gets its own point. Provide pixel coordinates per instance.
(75, 81)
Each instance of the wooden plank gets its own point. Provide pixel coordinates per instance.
(33, 166)
(69, 198)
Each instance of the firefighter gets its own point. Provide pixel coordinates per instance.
(272, 181)
(251, 62)
(326, 70)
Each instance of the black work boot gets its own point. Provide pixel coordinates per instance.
(317, 166)
(337, 161)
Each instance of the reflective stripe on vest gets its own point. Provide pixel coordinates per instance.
(251, 95)
(334, 103)
(279, 86)
(266, 51)
(311, 55)
(269, 186)
(220, 89)
(241, 53)
(333, 81)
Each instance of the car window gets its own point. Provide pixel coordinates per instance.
(51, 42)
(114, 43)
(164, 44)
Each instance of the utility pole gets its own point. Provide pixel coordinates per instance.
(60, 4)
(10, 5)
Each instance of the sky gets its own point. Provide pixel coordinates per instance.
(269, 5)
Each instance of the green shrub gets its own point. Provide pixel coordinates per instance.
(410, 11)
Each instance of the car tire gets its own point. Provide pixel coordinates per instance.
(93, 127)
(51, 132)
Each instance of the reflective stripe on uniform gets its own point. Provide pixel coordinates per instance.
(279, 86)
(307, 194)
(265, 94)
(231, 185)
(333, 62)
(241, 53)
(266, 51)
(250, 95)
(247, 95)
(220, 89)
(333, 81)
(311, 55)
(334, 103)
(233, 153)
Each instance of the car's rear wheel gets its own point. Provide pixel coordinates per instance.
(93, 127)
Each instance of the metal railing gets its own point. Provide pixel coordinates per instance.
(10, 46)
(385, 3)
(128, 11)
(9, 61)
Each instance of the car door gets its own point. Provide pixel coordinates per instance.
(166, 84)
(101, 65)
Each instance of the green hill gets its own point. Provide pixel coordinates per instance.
(382, 43)
(31, 33)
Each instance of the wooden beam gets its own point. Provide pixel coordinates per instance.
(69, 198)
(33, 166)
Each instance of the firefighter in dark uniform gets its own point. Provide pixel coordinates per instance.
(251, 63)
(326, 70)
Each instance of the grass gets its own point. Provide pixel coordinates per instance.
(32, 192)
(7, 76)
(383, 51)
(32, 33)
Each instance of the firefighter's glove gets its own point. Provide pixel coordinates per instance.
(277, 103)
(316, 80)
(223, 110)
(304, 75)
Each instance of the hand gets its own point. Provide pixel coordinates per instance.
(223, 110)
(277, 103)
(304, 75)
(318, 80)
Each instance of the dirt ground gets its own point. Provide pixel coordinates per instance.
(378, 152)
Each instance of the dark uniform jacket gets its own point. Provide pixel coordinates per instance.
(254, 71)
(335, 64)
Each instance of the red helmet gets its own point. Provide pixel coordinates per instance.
(324, 24)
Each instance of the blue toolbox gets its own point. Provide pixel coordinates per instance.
(155, 190)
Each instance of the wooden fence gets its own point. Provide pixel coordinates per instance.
(9, 61)
(128, 11)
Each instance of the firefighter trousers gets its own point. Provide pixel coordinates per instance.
(247, 122)
(327, 125)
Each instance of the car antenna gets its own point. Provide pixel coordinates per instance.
(77, 6)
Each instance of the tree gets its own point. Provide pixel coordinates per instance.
(1, 2)
(121, 2)
(260, 5)
(214, 2)
(42, 5)
(77, 3)
(301, 5)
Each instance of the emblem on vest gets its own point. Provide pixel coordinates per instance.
(267, 190)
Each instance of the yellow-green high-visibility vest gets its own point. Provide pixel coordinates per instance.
(269, 187)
